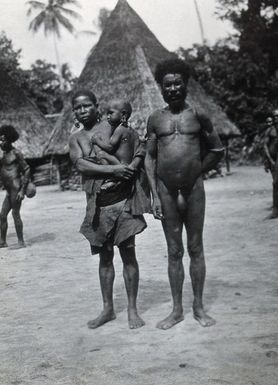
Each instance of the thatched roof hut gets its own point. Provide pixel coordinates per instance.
(121, 65)
(17, 110)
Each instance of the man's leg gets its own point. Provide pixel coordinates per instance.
(131, 278)
(172, 227)
(16, 206)
(6, 208)
(106, 277)
(275, 190)
(194, 223)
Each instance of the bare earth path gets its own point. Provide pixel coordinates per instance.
(50, 290)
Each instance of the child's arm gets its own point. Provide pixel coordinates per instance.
(113, 144)
(111, 159)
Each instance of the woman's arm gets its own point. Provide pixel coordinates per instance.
(88, 168)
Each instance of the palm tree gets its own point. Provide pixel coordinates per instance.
(53, 15)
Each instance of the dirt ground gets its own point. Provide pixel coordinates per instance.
(50, 290)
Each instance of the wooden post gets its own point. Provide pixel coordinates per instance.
(51, 170)
(58, 174)
(227, 157)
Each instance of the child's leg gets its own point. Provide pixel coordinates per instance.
(6, 208)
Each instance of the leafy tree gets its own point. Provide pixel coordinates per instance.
(9, 59)
(51, 17)
(44, 86)
(103, 16)
(241, 72)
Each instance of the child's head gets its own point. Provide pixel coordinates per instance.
(8, 135)
(118, 112)
(85, 107)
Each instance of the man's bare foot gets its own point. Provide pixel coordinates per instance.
(105, 316)
(3, 244)
(134, 321)
(170, 321)
(272, 216)
(203, 318)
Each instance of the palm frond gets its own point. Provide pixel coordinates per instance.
(69, 2)
(64, 22)
(37, 22)
(34, 5)
(70, 12)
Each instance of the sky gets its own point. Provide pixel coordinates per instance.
(174, 22)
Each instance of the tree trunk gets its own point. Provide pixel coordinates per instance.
(200, 22)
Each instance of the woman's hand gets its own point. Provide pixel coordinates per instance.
(123, 172)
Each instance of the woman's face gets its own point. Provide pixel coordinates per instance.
(85, 110)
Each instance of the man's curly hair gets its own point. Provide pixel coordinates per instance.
(172, 66)
(9, 132)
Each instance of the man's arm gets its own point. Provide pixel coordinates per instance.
(88, 168)
(266, 148)
(212, 143)
(150, 168)
(25, 173)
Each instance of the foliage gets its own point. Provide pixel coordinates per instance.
(41, 82)
(52, 15)
(241, 72)
(103, 16)
(44, 86)
(10, 58)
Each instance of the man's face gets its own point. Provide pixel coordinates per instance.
(4, 144)
(85, 110)
(269, 121)
(114, 114)
(275, 118)
(173, 89)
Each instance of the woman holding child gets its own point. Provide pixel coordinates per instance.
(113, 214)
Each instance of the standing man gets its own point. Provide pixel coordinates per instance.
(182, 145)
(15, 175)
(271, 153)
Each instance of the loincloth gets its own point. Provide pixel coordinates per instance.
(113, 223)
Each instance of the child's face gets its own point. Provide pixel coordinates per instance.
(114, 115)
(85, 110)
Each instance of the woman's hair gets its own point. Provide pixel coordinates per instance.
(84, 92)
(172, 66)
(9, 132)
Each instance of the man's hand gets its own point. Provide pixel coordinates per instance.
(157, 209)
(20, 196)
(124, 172)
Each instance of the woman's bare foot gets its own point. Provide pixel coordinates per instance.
(134, 321)
(20, 245)
(203, 318)
(105, 316)
(3, 244)
(172, 319)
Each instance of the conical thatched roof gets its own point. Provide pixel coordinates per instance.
(122, 65)
(17, 110)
